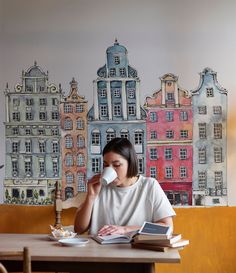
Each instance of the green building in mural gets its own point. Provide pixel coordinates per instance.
(32, 132)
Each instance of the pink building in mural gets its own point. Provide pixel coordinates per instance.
(169, 140)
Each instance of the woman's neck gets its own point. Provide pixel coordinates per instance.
(129, 181)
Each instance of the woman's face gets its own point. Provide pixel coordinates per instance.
(120, 164)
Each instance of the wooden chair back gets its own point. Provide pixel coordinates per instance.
(73, 202)
(25, 254)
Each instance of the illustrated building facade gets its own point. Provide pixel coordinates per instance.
(169, 140)
(32, 131)
(209, 141)
(116, 110)
(73, 117)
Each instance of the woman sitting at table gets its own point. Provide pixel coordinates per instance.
(127, 202)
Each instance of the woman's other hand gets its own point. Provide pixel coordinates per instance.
(94, 186)
(111, 229)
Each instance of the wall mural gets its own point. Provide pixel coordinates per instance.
(179, 135)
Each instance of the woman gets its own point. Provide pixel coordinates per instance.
(127, 202)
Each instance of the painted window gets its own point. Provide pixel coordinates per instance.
(41, 131)
(202, 110)
(183, 115)
(168, 172)
(80, 141)
(16, 116)
(81, 182)
(110, 134)
(29, 102)
(124, 133)
(131, 93)
(68, 125)
(29, 116)
(54, 132)
(219, 179)
(218, 155)
(96, 138)
(103, 110)
(80, 123)
(15, 146)
(42, 146)
(202, 180)
(28, 166)
(42, 101)
(140, 165)
(112, 72)
(209, 92)
(169, 97)
(153, 172)
(117, 59)
(68, 108)
(28, 148)
(202, 130)
(15, 130)
(153, 153)
(122, 72)
(169, 116)
(55, 147)
(55, 115)
(182, 172)
(80, 160)
(14, 167)
(202, 155)
(68, 142)
(138, 138)
(131, 110)
(169, 134)
(153, 116)
(116, 92)
(69, 178)
(79, 108)
(41, 166)
(182, 154)
(217, 130)
(117, 110)
(43, 115)
(153, 134)
(184, 133)
(55, 166)
(103, 93)
(217, 110)
(28, 131)
(96, 165)
(54, 101)
(168, 154)
(16, 102)
(69, 160)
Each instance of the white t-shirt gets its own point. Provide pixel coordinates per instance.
(130, 206)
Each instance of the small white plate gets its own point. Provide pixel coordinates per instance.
(51, 237)
(73, 242)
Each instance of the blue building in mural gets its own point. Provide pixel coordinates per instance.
(116, 110)
(209, 141)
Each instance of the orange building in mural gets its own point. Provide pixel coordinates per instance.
(73, 111)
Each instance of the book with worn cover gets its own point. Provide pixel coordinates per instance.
(115, 238)
(150, 240)
(154, 231)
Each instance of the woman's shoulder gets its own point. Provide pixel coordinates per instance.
(148, 181)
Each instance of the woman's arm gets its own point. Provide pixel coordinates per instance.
(84, 212)
(168, 221)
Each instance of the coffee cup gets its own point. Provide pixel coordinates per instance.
(108, 175)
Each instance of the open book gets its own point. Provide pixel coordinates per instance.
(115, 238)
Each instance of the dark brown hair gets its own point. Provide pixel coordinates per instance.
(123, 147)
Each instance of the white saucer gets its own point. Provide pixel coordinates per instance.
(73, 242)
(51, 237)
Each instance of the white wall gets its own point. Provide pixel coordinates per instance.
(69, 38)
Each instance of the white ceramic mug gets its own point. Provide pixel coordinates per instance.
(108, 175)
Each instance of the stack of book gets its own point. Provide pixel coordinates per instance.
(158, 237)
(160, 242)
